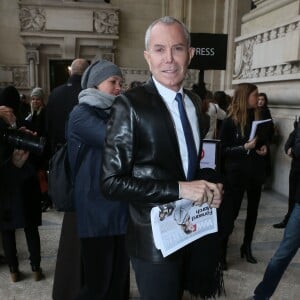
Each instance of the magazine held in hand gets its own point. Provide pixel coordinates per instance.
(179, 223)
(261, 130)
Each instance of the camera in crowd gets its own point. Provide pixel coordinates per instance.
(23, 140)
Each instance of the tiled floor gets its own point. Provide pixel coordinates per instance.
(240, 279)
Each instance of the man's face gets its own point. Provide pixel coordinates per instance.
(168, 55)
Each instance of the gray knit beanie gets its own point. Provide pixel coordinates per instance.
(97, 72)
(37, 92)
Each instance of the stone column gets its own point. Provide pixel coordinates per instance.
(33, 61)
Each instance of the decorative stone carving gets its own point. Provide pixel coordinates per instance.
(265, 56)
(265, 36)
(33, 55)
(243, 67)
(273, 34)
(106, 22)
(19, 76)
(296, 68)
(278, 70)
(32, 19)
(281, 32)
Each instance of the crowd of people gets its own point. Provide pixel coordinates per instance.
(130, 151)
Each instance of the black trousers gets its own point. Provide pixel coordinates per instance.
(33, 244)
(159, 281)
(253, 199)
(106, 268)
(233, 198)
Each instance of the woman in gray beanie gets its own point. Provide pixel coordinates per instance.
(101, 224)
(37, 117)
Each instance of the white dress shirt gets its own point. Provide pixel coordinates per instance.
(169, 98)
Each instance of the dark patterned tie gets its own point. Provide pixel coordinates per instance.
(189, 138)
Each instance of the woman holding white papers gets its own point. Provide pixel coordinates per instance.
(244, 167)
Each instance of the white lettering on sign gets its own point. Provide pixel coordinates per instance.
(205, 51)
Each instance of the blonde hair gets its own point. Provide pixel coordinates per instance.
(238, 107)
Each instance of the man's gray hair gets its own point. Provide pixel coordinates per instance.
(78, 66)
(168, 21)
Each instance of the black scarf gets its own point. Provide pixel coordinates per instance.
(203, 273)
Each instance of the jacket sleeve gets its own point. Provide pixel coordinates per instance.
(120, 179)
(296, 148)
(231, 146)
(221, 114)
(290, 141)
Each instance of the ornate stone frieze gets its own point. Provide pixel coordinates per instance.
(32, 19)
(18, 76)
(106, 22)
(270, 55)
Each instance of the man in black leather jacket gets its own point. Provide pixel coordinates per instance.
(146, 160)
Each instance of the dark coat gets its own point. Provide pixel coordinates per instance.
(296, 154)
(142, 162)
(238, 164)
(20, 202)
(60, 103)
(96, 216)
(291, 143)
(36, 122)
(68, 264)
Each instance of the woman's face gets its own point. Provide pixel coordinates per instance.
(261, 101)
(253, 99)
(36, 103)
(112, 85)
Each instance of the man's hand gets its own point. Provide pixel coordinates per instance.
(289, 152)
(19, 157)
(201, 191)
(7, 115)
(263, 150)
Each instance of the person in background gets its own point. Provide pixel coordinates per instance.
(151, 158)
(263, 106)
(134, 84)
(265, 114)
(288, 246)
(223, 100)
(294, 176)
(68, 262)
(215, 113)
(36, 118)
(101, 224)
(20, 197)
(35, 121)
(24, 106)
(244, 168)
(61, 101)
(7, 115)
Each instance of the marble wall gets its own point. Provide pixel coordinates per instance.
(267, 53)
